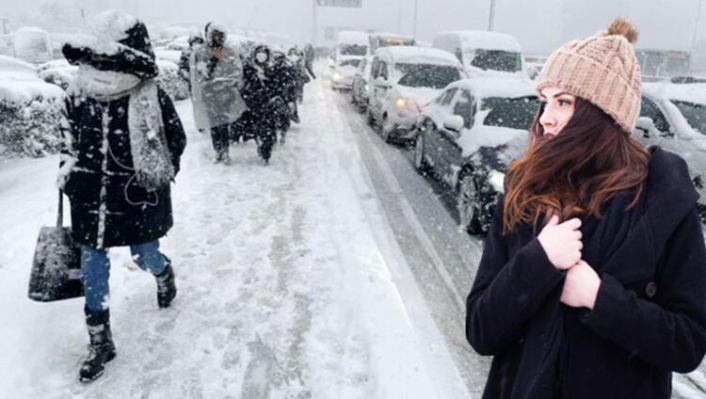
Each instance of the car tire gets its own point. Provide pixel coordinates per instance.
(467, 203)
(420, 162)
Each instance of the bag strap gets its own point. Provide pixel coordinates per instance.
(60, 217)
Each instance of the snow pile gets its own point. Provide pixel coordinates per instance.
(170, 81)
(32, 45)
(30, 111)
(419, 55)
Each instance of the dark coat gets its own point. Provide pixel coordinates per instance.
(283, 78)
(133, 215)
(649, 318)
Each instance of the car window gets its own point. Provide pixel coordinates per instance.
(353, 63)
(651, 110)
(694, 113)
(464, 108)
(383, 70)
(497, 60)
(427, 75)
(513, 113)
(446, 97)
(375, 69)
(353, 49)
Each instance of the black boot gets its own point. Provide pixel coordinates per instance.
(166, 289)
(101, 349)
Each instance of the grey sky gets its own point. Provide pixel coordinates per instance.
(539, 25)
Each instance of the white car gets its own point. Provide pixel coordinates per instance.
(344, 71)
(403, 80)
(673, 116)
(468, 136)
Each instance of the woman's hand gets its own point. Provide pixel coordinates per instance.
(581, 286)
(562, 242)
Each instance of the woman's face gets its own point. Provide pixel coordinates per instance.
(559, 107)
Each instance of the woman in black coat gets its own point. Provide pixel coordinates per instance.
(259, 92)
(122, 143)
(592, 280)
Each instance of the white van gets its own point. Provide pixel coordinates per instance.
(483, 52)
(351, 48)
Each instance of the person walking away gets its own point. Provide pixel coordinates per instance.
(122, 142)
(216, 81)
(591, 283)
(309, 57)
(258, 93)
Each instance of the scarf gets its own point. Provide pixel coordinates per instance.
(148, 145)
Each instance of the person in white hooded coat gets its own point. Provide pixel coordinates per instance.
(216, 81)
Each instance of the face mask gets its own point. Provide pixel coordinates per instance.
(295, 58)
(261, 57)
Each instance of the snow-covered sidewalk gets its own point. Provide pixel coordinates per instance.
(290, 284)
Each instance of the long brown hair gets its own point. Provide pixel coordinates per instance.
(576, 172)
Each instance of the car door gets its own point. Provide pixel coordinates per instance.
(451, 155)
(441, 108)
(381, 85)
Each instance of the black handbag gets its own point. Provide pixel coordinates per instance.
(56, 267)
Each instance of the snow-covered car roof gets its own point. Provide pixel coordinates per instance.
(353, 37)
(484, 87)
(419, 55)
(664, 92)
(485, 40)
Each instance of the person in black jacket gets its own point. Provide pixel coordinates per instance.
(122, 144)
(591, 283)
(282, 76)
(184, 60)
(259, 95)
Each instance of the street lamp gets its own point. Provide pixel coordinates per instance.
(491, 19)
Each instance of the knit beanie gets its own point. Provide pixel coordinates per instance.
(602, 69)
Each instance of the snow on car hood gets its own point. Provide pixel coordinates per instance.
(422, 95)
(490, 136)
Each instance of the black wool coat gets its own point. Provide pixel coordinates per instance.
(649, 319)
(108, 207)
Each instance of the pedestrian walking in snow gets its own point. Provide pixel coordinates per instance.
(282, 75)
(185, 58)
(122, 143)
(296, 56)
(260, 96)
(309, 57)
(216, 82)
(591, 283)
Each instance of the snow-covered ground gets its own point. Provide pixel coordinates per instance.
(289, 285)
(334, 272)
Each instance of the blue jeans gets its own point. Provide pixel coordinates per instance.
(96, 270)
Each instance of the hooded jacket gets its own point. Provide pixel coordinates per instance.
(649, 319)
(108, 205)
(215, 83)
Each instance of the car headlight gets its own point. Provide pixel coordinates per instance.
(336, 76)
(400, 104)
(497, 180)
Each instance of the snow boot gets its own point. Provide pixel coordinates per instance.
(166, 289)
(101, 349)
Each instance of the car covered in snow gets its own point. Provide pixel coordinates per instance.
(361, 84)
(483, 52)
(673, 116)
(468, 136)
(32, 44)
(403, 80)
(343, 72)
(30, 110)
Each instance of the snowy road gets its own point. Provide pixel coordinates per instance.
(335, 272)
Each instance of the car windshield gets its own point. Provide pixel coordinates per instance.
(695, 114)
(354, 63)
(497, 60)
(353, 49)
(427, 75)
(513, 113)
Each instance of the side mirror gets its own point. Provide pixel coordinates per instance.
(453, 123)
(645, 125)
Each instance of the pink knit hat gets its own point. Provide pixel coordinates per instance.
(602, 69)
